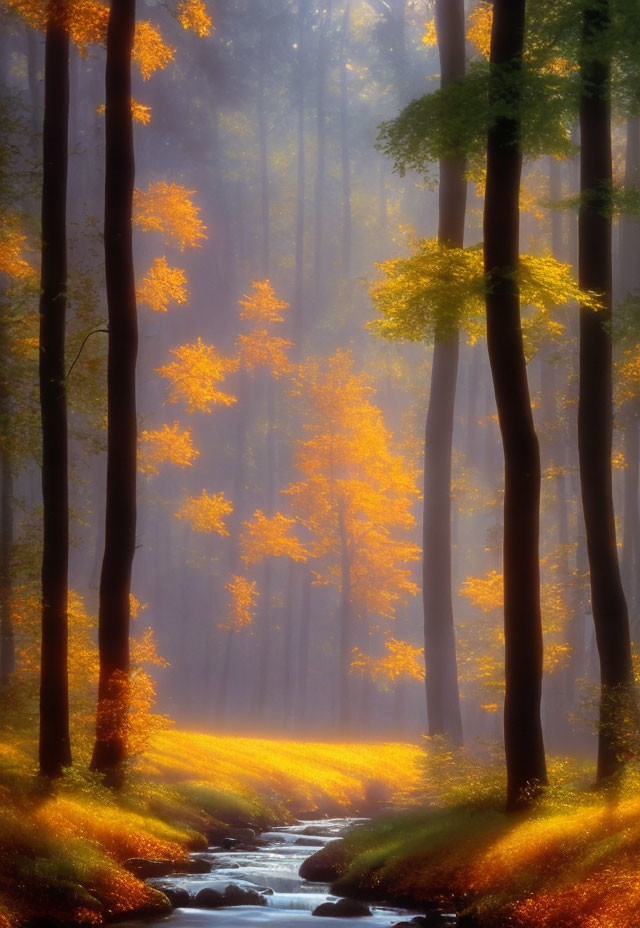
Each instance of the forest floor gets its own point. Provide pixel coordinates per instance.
(62, 851)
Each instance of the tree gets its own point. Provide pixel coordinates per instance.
(355, 498)
(595, 409)
(55, 746)
(524, 746)
(110, 747)
(443, 698)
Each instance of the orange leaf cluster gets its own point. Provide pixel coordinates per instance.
(168, 209)
(192, 14)
(206, 513)
(261, 349)
(357, 492)
(150, 51)
(195, 374)
(170, 444)
(262, 305)
(270, 537)
(161, 285)
(243, 597)
(12, 245)
(401, 661)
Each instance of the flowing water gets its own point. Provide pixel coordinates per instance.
(272, 871)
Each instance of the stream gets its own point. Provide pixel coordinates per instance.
(272, 872)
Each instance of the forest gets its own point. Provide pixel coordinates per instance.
(320, 463)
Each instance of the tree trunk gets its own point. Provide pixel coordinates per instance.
(344, 628)
(443, 697)
(344, 147)
(55, 745)
(524, 747)
(7, 639)
(595, 408)
(120, 524)
(299, 316)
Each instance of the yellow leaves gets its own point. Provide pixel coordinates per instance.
(270, 537)
(144, 650)
(439, 289)
(168, 445)
(150, 51)
(161, 285)
(261, 349)
(430, 37)
(136, 607)
(479, 27)
(194, 376)
(168, 209)
(12, 247)
(139, 111)
(242, 600)
(401, 661)
(262, 305)
(192, 14)
(206, 513)
(486, 592)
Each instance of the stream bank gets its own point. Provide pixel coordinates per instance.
(267, 879)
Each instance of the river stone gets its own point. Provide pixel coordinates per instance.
(177, 895)
(144, 869)
(310, 842)
(344, 908)
(197, 865)
(327, 865)
(233, 895)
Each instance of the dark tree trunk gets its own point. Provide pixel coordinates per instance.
(345, 630)
(443, 698)
(55, 746)
(7, 638)
(320, 258)
(524, 747)
(299, 317)
(595, 409)
(120, 524)
(344, 147)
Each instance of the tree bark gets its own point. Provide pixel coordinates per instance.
(120, 524)
(55, 744)
(443, 697)
(595, 408)
(524, 746)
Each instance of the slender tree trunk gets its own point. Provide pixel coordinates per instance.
(443, 697)
(344, 147)
(299, 317)
(120, 524)
(631, 523)
(302, 661)
(55, 745)
(345, 631)
(595, 409)
(7, 638)
(524, 747)
(320, 262)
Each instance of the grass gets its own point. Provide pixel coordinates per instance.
(573, 863)
(61, 852)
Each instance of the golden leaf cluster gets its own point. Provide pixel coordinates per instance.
(192, 15)
(206, 513)
(161, 285)
(150, 51)
(271, 537)
(168, 209)
(242, 600)
(401, 660)
(195, 375)
(12, 250)
(169, 445)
